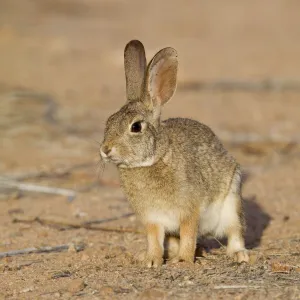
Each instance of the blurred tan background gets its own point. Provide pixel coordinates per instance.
(61, 76)
(73, 51)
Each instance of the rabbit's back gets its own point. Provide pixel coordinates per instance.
(201, 156)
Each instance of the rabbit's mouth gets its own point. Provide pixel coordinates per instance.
(109, 158)
(112, 159)
(115, 160)
(112, 156)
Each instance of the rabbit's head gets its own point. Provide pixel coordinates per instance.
(132, 136)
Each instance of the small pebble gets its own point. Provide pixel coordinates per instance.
(132, 218)
(152, 294)
(286, 218)
(253, 258)
(106, 291)
(72, 248)
(16, 195)
(42, 233)
(279, 267)
(26, 290)
(76, 286)
(85, 257)
(60, 274)
(15, 211)
(8, 259)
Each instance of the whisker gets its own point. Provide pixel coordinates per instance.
(101, 170)
(100, 167)
(93, 142)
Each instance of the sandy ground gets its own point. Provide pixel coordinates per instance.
(62, 75)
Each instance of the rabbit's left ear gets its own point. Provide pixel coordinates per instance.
(161, 76)
(135, 68)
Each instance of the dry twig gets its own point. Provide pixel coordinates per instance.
(47, 249)
(100, 221)
(66, 224)
(49, 174)
(11, 181)
(36, 188)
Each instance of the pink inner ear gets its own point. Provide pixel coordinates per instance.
(163, 80)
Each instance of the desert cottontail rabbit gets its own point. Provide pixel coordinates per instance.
(176, 173)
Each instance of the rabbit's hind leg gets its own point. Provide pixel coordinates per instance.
(235, 230)
(236, 247)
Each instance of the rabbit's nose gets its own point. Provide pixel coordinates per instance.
(105, 149)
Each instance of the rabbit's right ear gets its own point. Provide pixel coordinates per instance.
(135, 65)
(161, 77)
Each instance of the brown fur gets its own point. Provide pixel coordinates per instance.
(172, 171)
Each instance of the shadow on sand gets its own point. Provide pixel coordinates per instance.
(257, 220)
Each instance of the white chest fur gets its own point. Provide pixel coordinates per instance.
(215, 219)
(168, 219)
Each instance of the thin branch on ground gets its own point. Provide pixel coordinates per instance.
(36, 188)
(58, 174)
(115, 229)
(47, 249)
(63, 224)
(100, 221)
(49, 174)
(51, 105)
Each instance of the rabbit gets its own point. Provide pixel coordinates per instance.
(176, 174)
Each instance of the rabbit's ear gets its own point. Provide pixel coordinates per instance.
(162, 76)
(135, 68)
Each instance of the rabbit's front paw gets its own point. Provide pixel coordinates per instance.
(241, 256)
(153, 261)
(177, 259)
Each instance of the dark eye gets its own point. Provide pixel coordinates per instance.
(136, 127)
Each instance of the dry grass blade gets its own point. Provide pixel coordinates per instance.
(226, 287)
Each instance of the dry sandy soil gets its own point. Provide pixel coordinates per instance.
(62, 76)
